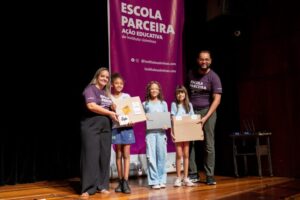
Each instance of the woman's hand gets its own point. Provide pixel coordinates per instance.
(113, 107)
(114, 116)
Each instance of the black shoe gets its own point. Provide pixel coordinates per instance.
(210, 180)
(119, 188)
(126, 188)
(194, 178)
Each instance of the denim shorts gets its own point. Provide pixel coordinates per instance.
(124, 135)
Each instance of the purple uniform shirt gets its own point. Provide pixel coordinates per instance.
(202, 87)
(93, 94)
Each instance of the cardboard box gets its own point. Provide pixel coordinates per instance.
(187, 128)
(130, 110)
(158, 120)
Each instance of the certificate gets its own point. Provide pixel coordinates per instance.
(130, 110)
(158, 120)
(187, 128)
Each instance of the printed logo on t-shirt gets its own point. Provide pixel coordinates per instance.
(105, 101)
(197, 85)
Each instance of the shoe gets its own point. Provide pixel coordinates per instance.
(155, 187)
(126, 188)
(210, 180)
(84, 195)
(194, 178)
(177, 182)
(104, 191)
(162, 185)
(188, 182)
(119, 188)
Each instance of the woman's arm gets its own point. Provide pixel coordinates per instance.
(102, 111)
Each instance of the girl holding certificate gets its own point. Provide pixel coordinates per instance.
(180, 107)
(122, 137)
(156, 139)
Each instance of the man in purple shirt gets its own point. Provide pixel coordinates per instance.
(205, 91)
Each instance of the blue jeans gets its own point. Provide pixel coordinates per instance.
(156, 151)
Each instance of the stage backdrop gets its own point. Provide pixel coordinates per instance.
(145, 44)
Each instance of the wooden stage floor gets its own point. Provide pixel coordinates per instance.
(227, 188)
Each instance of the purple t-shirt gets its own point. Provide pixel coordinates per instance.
(93, 94)
(202, 87)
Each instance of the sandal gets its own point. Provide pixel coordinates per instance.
(104, 191)
(84, 195)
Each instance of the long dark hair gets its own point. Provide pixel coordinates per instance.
(186, 101)
(148, 95)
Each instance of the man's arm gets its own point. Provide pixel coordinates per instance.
(212, 108)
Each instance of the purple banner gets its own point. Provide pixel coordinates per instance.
(145, 44)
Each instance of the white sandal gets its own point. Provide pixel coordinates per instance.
(84, 195)
(104, 191)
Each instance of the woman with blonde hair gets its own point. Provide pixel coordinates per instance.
(96, 137)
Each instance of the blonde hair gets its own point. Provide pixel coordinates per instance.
(148, 95)
(186, 101)
(95, 78)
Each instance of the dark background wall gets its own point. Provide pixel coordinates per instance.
(270, 79)
(259, 69)
(53, 49)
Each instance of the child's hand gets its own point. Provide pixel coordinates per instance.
(173, 136)
(130, 123)
(165, 127)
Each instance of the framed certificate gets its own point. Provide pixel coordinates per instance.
(130, 110)
(187, 128)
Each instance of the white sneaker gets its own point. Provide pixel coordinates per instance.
(188, 182)
(162, 185)
(177, 182)
(155, 187)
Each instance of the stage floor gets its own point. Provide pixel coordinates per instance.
(229, 188)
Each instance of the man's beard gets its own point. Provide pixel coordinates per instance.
(205, 69)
